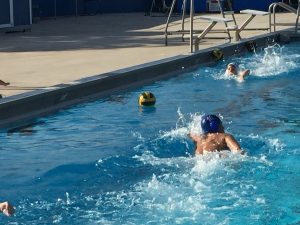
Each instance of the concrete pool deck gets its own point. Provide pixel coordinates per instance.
(70, 48)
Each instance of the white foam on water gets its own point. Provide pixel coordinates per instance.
(206, 165)
(261, 200)
(149, 158)
(57, 219)
(138, 136)
(181, 132)
(193, 190)
(273, 62)
(68, 201)
(223, 76)
(274, 144)
(186, 189)
(189, 190)
(213, 163)
(169, 194)
(184, 126)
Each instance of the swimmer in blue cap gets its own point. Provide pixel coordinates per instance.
(233, 70)
(214, 138)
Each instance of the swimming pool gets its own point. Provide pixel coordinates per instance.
(111, 162)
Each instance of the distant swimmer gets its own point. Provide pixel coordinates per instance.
(214, 138)
(233, 70)
(6, 208)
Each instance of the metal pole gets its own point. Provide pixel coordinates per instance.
(191, 24)
(183, 18)
(76, 7)
(11, 12)
(297, 20)
(168, 21)
(30, 11)
(55, 9)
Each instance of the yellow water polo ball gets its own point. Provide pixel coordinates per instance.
(251, 46)
(146, 99)
(217, 54)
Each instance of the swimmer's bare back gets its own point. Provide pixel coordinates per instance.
(212, 142)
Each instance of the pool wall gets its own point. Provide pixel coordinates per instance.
(22, 109)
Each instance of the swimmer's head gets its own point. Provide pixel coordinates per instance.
(232, 64)
(211, 124)
(232, 68)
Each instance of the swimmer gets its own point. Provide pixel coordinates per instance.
(214, 138)
(233, 70)
(6, 208)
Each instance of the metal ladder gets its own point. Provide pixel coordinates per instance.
(289, 8)
(164, 8)
(191, 31)
(229, 12)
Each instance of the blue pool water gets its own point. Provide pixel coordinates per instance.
(111, 162)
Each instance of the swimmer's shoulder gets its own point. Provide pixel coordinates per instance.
(227, 135)
(222, 136)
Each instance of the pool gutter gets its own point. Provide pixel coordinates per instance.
(22, 109)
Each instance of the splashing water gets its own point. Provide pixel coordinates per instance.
(273, 62)
(184, 127)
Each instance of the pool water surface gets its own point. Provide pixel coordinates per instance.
(112, 162)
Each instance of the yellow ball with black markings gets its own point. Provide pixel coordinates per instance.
(251, 46)
(146, 99)
(217, 54)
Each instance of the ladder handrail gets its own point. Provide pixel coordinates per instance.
(283, 5)
(297, 19)
(272, 11)
(224, 16)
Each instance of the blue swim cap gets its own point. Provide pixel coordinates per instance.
(211, 124)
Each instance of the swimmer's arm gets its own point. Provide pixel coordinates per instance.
(243, 74)
(194, 137)
(233, 145)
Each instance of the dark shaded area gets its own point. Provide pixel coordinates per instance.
(52, 8)
(88, 32)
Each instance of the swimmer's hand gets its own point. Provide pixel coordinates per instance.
(242, 75)
(243, 152)
(7, 209)
(240, 151)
